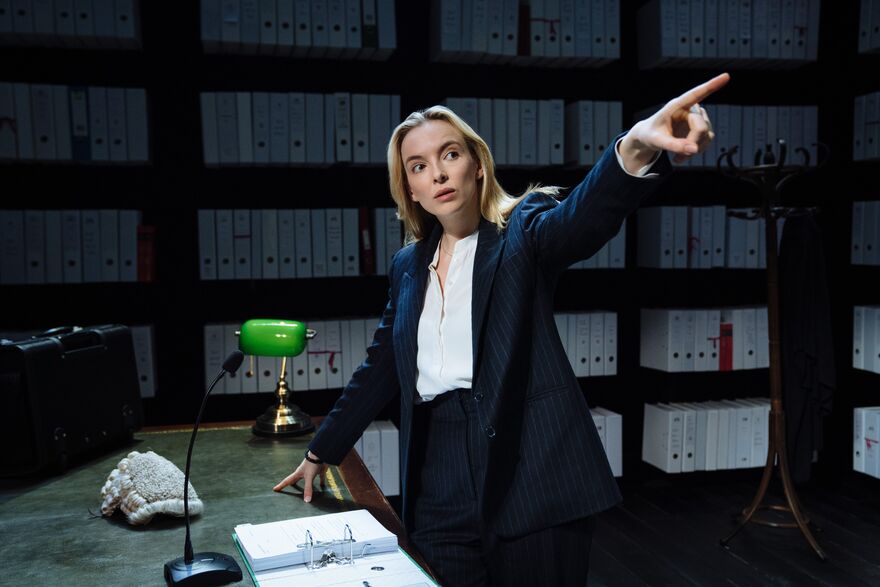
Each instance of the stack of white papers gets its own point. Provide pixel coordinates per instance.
(281, 544)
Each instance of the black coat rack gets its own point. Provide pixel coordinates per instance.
(769, 174)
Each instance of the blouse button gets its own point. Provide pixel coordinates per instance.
(490, 431)
(478, 396)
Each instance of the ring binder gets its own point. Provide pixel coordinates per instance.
(273, 551)
(329, 555)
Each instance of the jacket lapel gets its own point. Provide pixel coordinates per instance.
(485, 264)
(410, 304)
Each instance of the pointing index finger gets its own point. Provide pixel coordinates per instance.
(701, 92)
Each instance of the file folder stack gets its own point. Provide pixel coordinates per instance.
(74, 246)
(558, 33)
(91, 25)
(702, 237)
(706, 436)
(677, 340)
(866, 440)
(302, 28)
(755, 129)
(866, 233)
(866, 125)
(329, 361)
(869, 27)
(532, 133)
(609, 425)
(282, 544)
(77, 124)
(866, 338)
(296, 128)
(297, 244)
(758, 35)
(379, 448)
(590, 341)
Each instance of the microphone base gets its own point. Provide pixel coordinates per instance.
(207, 568)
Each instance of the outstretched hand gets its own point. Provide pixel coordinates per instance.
(681, 127)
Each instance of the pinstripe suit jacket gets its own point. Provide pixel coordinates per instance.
(546, 462)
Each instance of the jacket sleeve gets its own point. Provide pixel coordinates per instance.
(591, 214)
(372, 386)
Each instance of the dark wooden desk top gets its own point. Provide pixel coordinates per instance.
(356, 477)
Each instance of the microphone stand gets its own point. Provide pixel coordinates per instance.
(204, 568)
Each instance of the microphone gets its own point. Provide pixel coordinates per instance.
(203, 568)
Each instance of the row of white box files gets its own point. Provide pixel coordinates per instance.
(566, 33)
(869, 26)
(754, 129)
(331, 242)
(527, 133)
(706, 436)
(866, 440)
(100, 24)
(296, 128)
(865, 233)
(590, 342)
(341, 346)
(78, 124)
(69, 246)
(725, 339)
(703, 33)
(866, 338)
(702, 237)
(288, 244)
(328, 362)
(327, 29)
(379, 449)
(866, 124)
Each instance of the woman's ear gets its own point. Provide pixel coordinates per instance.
(479, 173)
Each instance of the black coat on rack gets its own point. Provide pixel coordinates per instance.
(808, 374)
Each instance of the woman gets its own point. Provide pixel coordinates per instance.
(502, 468)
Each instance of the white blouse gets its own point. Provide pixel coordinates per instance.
(445, 359)
(445, 350)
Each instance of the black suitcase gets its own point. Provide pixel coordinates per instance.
(64, 395)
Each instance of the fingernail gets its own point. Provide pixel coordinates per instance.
(308, 499)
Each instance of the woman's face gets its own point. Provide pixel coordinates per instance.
(441, 174)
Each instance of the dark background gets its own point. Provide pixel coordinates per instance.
(173, 69)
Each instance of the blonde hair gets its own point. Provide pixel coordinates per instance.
(495, 203)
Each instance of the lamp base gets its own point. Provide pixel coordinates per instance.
(283, 420)
(207, 568)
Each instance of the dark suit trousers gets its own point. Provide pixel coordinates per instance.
(450, 457)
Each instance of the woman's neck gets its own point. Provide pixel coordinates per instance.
(455, 229)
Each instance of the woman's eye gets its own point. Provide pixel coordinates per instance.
(416, 167)
(453, 153)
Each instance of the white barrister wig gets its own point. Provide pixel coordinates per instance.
(145, 484)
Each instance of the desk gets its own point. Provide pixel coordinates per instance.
(51, 538)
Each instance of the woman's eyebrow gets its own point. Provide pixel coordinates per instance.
(443, 146)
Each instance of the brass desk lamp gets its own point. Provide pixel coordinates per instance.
(278, 338)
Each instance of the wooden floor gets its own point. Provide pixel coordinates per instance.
(667, 533)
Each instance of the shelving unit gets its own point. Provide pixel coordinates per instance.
(174, 69)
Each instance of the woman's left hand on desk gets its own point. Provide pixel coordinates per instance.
(306, 471)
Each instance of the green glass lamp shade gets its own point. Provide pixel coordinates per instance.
(264, 337)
